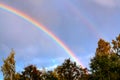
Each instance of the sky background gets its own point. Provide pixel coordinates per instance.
(78, 23)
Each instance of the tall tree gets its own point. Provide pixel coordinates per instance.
(105, 64)
(8, 68)
(115, 57)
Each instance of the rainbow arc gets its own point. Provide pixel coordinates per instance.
(43, 28)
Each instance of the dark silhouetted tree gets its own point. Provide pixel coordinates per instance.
(69, 71)
(49, 75)
(31, 73)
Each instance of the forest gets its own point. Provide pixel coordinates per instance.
(104, 65)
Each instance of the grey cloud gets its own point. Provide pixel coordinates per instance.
(108, 3)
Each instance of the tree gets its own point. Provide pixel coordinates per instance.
(115, 57)
(105, 64)
(8, 67)
(49, 75)
(18, 76)
(116, 45)
(103, 48)
(69, 71)
(31, 73)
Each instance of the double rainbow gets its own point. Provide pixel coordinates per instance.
(41, 27)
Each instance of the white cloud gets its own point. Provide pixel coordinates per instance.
(108, 3)
(49, 68)
(52, 67)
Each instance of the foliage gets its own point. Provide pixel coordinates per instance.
(116, 45)
(31, 73)
(8, 67)
(69, 71)
(49, 75)
(105, 65)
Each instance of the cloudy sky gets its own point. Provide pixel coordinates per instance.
(77, 23)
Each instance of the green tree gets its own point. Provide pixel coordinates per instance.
(49, 75)
(69, 71)
(8, 68)
(115, 58)
(31, 73)
(100, 63)
(105, 64)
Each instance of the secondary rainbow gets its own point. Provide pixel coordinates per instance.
(41, 27)
(88, 23)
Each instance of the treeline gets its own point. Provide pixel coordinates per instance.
(105, 65)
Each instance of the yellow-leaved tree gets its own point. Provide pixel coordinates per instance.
(8, 67)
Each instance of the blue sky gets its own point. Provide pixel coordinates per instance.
(78, 23)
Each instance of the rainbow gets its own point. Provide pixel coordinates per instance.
(41, 27)
(72, 7)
